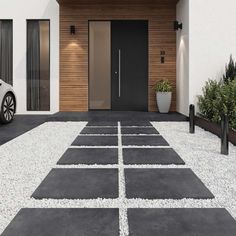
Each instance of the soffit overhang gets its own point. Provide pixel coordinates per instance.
(117, 1)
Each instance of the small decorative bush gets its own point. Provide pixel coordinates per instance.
(163, 86)
(230, 71)
(219, 98)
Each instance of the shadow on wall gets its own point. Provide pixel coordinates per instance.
(183, 75)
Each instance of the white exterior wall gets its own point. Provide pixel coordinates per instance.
(203, 46)
(212, 38)
(19, 12)
(182, 46)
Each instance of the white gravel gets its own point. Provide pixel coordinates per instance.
(26, 160)
(201, 152)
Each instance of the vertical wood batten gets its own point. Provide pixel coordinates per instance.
(74, 48)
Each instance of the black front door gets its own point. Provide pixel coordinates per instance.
(129, 56)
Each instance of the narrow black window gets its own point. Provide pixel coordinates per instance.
(38, 65)
(6, 51)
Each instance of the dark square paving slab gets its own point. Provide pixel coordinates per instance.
(164, 184)
(104, 130)
(79, 184)
(102, 123)
(94, 116)
(62, 222)
(140, 130)
(89, 156)
(135, 123)
(144, 141)
(96, 141)
(161, 156)
(181, 222)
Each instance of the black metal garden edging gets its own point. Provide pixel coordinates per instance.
(222, 131)
(214, 128)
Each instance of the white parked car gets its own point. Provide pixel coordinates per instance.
(7, 103)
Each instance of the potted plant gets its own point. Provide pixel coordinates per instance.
(163, 90)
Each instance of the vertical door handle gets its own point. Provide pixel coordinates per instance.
(119, 92)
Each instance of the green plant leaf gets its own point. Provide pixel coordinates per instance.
(163, 86)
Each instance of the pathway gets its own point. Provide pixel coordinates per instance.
(121, 164)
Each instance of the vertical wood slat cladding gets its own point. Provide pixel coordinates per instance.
(74, 48)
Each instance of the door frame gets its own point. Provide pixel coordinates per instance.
(148, 76)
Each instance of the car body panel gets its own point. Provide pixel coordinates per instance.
(4, 89)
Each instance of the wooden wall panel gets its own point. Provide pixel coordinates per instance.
(74, 49)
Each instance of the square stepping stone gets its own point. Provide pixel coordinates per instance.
(135, 123)
(181, 222)
(139, 131)
(100, 130)
(62, 222)
(96, 141)
(144, 141)
(89, 156)
(79, 184)
(102, 123)
(164, 184)
(160, 156)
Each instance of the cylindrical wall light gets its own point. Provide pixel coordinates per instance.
(72, 30)
(177, 25)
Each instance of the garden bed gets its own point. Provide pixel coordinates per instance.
(214, 128)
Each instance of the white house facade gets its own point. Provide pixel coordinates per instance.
(187, 57)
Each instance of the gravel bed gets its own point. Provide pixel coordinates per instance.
(201, 153)
(26, 160)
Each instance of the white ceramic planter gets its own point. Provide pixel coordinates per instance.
(163, 101)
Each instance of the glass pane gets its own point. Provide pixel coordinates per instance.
(38, 65)
(6, 51)
(44, 66)
(99, 65)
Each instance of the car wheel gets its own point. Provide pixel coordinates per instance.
(7, 109)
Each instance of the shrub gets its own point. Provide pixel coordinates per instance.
(163, 86)
(219, 98)
(230, 71)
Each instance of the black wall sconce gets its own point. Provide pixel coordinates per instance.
(163, 54)
(72, 29)
(177, 25)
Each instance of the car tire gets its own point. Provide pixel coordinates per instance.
(8, 108)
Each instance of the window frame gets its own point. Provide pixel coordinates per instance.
(49, 21)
